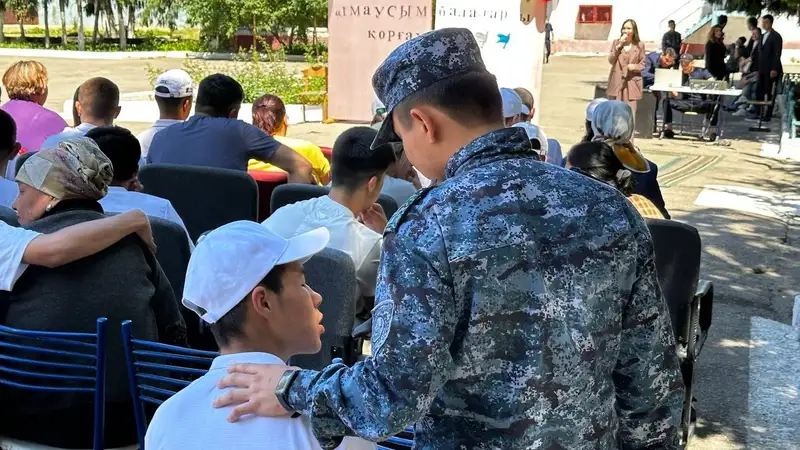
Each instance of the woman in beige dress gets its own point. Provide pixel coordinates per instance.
(627, 62)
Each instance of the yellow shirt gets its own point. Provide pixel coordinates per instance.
(320, 167)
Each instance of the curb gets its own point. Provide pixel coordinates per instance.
(111, 56)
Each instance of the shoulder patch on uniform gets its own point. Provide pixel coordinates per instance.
(382, 316)
(397, 218)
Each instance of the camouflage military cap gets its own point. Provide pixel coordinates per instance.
(419, 63)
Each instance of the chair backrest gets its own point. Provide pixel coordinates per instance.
(333, 275)
(49, 361)
(157, 371)
(8, 216)
(204, 197)
(293, 193)
(20, 160)
(267, 181)
(173, 256)
(678, 249)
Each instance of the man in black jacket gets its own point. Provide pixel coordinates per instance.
(768, 62)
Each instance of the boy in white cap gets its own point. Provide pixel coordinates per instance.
(514, 111)
(173, 92)
(248, 284)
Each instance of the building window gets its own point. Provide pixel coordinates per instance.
(595, 14)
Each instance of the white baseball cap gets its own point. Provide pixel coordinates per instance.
(174, 83)
(534, 132)
(592, 106)
(512, 103)
(230, 261)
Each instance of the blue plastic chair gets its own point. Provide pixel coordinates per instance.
(403, 440)
(157, 371)
(45, 354)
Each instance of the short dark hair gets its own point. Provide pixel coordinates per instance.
(99, 98)
(742, 40)
(121, 147)
(353, 163)
(8, 134)
(218, 95)
(598, 160)
(768, 17)
(722, 19)
(671, 22)
(231, 325)
(169, 105)
(470, 98)
(752, 21)
(76, 118)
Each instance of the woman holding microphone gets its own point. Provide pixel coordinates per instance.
(627, 57)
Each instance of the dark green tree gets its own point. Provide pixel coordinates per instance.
(755, 7)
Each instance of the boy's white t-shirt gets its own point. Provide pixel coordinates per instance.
(13, 242)
(187, 420)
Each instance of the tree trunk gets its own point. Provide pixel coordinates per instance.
(62, 7)
(111, 20)
(123, 35)
(81, 37)
(46, 24)
(132, 20)
(2, 33)
(21, 21)
(96, 31)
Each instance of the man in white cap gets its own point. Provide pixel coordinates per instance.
(173, 92)
(514, 111)
(247, 283)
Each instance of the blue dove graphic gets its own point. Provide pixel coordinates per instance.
(503, 39)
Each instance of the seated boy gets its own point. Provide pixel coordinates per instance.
(248, 284)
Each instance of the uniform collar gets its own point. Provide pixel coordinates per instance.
(495, 145)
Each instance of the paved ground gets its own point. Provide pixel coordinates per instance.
(751, 259)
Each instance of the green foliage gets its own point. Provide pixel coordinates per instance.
(755, 7)
(259, 74)
(154, 45)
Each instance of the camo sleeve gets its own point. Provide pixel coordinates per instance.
(647, 378)
(414, 323)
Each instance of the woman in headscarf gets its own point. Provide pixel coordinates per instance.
(612, 123)
(599, 161)
(58, 188)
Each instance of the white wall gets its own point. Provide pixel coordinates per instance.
(650, 15)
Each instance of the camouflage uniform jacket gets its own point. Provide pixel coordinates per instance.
(517, 308)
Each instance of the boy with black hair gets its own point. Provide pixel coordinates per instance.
(349, 211)
(125, 192)
(215, 137)
(248, 284)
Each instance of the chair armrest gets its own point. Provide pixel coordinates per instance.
(363, 330)
(703, 287)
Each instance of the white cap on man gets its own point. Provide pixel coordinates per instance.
(230, 261)
(512, 103)
(174, 83)
(534, 132)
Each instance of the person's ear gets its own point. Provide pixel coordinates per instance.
(372, 184)
(422, 119)
(15, 151)
(79, 108)
(262, 301)
(117, 110)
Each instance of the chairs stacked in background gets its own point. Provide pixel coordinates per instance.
(204, 197)
(56, 362)
(293, 193)
(690, 300)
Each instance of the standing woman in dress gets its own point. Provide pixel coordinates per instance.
(627, 62)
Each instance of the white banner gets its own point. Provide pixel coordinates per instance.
(511, 36)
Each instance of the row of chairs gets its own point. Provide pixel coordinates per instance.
(677, 250)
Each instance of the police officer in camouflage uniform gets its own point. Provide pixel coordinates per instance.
(517, 302)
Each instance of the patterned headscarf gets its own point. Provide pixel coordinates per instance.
(612, 123)
(77, 169)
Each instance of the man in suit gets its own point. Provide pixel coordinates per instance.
(768, 62)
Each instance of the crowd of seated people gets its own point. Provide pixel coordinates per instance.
(78, 174)
(61, 187)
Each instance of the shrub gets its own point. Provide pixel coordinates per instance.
(259, 74)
